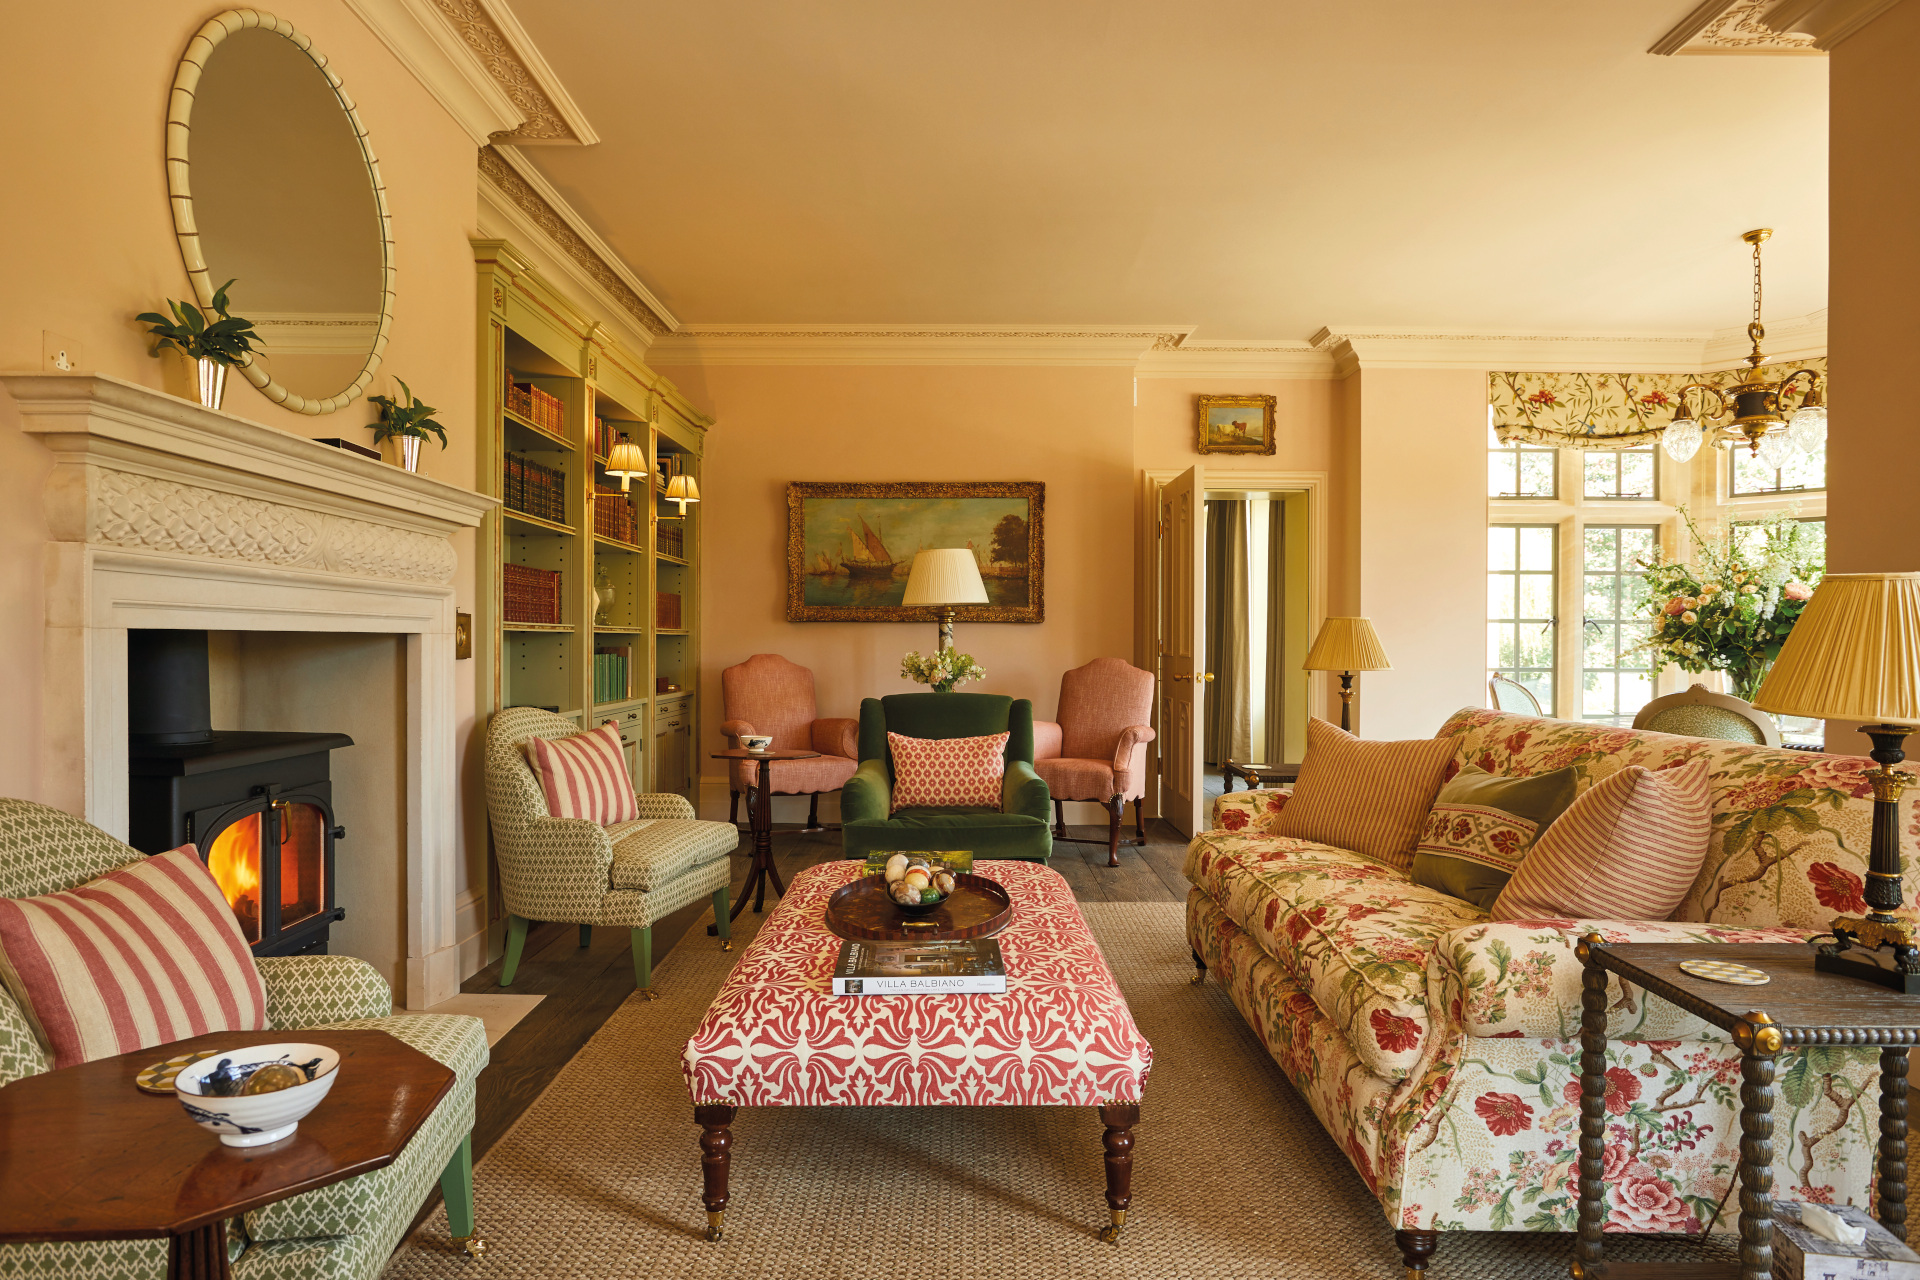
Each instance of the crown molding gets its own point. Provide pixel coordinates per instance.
(1353, 347)
(478, 62)
(1825, 22)
(1265, 360)
(906, 344)
(1734, 27)
(540, 215)
(1793, 338)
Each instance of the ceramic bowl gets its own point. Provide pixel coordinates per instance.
(756, 741)
(265, 1117)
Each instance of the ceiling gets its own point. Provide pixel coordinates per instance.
(1255, 168)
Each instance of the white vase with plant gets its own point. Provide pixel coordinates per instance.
(942, 671)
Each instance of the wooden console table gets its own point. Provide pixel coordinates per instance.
(1799, 1007)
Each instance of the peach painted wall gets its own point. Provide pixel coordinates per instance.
(85, 205)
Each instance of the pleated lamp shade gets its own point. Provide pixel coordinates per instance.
(1854, 653)
(1347, 644)
(627, 460)
(683, 489)
(949, 575)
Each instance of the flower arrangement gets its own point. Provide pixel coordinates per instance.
(943, 670)
(1732, 609)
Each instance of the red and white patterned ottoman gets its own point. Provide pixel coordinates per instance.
(1061, 1036)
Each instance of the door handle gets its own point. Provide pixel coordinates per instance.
(1179, 679)
(1206, 676)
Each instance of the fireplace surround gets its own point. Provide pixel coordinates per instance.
(166, 515)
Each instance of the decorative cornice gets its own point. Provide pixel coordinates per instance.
(1732, 27)
(478, 62)
(723, 344)
(1826, 22)
(1266, 360)
(547, 212)
(1353, 347)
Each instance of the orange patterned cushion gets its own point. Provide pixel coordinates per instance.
(145, 955)
(947, 770)
(585, 776)
(1628, 849)
(1367, 797)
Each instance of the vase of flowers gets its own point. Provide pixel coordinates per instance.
(943, 670)
(214, 345)
(406, 425)
(1731, 609)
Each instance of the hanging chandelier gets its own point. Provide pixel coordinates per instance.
(1774, 417)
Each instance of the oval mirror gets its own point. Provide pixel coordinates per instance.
(274, 186)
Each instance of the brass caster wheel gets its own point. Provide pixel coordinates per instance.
(473, 1246)
(716, 1226)
(648, 994)
(1200, 978)
(1110, 1234)
(727, 945)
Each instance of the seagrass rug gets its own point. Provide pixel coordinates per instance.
(1233, 1175)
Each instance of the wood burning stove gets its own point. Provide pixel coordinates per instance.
(257, 806)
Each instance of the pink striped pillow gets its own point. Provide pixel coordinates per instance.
(145, 955)
(959, 771)
(1368, 797)
(1628, 849)
(585, 776)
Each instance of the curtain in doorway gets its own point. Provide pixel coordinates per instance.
(1229, 711)
(1275, 746)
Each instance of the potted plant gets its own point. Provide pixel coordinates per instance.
(407, 423)
(943, 670)
(214, 346)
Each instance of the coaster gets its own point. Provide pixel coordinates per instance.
(1739, 975)
(158, 1078)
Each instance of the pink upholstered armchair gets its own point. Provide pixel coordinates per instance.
(1098, 750)
(767, 694)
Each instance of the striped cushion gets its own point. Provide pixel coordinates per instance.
(1367, 797)
(1626, 850)
(585, 776)
(145, 955)
(964, 771)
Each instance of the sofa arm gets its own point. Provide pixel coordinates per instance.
(1025, 792)
(1130, 759)
(837, 737)
(1522, 978)
(1250, 811)
(664, 806)
(308, 991)
(866, 794)
(1047, 737)
(560, 868)
(734, 728)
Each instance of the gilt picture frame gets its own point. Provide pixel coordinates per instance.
(850, 546)
(1233, 424)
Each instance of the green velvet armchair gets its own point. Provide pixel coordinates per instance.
(1019, 828)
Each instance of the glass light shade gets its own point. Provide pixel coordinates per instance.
(1808, 426)
(949, 575)
(1681, 439)
(1775, 449)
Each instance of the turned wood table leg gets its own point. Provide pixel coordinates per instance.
(199, 1254)
(716, 1157)
(1119, 1117)
(1593, 1110)
(1893, 1141)
(1416, 1250)
(1759, 1040)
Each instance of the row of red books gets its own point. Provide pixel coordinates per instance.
(535, 490)
(530, 595)
(613, 516)
(671, 539)
(536, 406)
(666, 610)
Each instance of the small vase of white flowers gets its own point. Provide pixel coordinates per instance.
(943, 670)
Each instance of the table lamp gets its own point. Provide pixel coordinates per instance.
(1854, 654)
(946, 577)
(1346, 645)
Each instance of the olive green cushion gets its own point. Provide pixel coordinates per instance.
(1480, 828)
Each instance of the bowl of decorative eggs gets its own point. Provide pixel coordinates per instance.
(256, 1095)
(917, 884)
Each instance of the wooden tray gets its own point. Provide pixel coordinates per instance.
(862, 912)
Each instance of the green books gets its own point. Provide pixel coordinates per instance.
(973, 967)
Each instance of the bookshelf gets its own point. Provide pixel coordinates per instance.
(555, 391)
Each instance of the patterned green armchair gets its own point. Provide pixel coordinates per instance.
(1020, 828)
(342, 1232)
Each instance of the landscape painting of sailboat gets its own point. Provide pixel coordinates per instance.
(850, 547)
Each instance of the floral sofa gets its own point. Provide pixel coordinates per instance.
(1439, 1047)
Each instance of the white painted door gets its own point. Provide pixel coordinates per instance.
(1183, 551)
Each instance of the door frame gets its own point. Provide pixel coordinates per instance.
(1147, 586)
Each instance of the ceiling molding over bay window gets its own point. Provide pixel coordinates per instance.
(1356, 347)
(478, 62)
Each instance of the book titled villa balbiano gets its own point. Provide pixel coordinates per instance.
(972, 967)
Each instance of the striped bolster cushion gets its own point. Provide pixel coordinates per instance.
(585, 776)
(1628, 849)
(1366, 797)
(145, 955)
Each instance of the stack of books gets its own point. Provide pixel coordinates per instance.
(530, 595)
(666, 610)
(671, 540)
(536, 490)
(613, 515)
(610, 674)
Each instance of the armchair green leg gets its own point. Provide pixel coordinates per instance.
(643, 962)
(721, 920)
(456, 1188)
(586, 935)
(516, 942)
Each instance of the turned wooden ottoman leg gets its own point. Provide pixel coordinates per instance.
(1759, 1040)
(1416, 1250)
(716, 1156)
(1119, 1117)
(1893, 1141)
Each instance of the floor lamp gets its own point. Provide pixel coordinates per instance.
(1347, 645)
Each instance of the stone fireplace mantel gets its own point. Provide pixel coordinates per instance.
(165, 514)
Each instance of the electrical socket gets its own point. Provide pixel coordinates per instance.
(59, 353)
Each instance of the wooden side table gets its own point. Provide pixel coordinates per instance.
(1798, 1007)
(760, 824)
(87, 1156)
(1259, 775)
